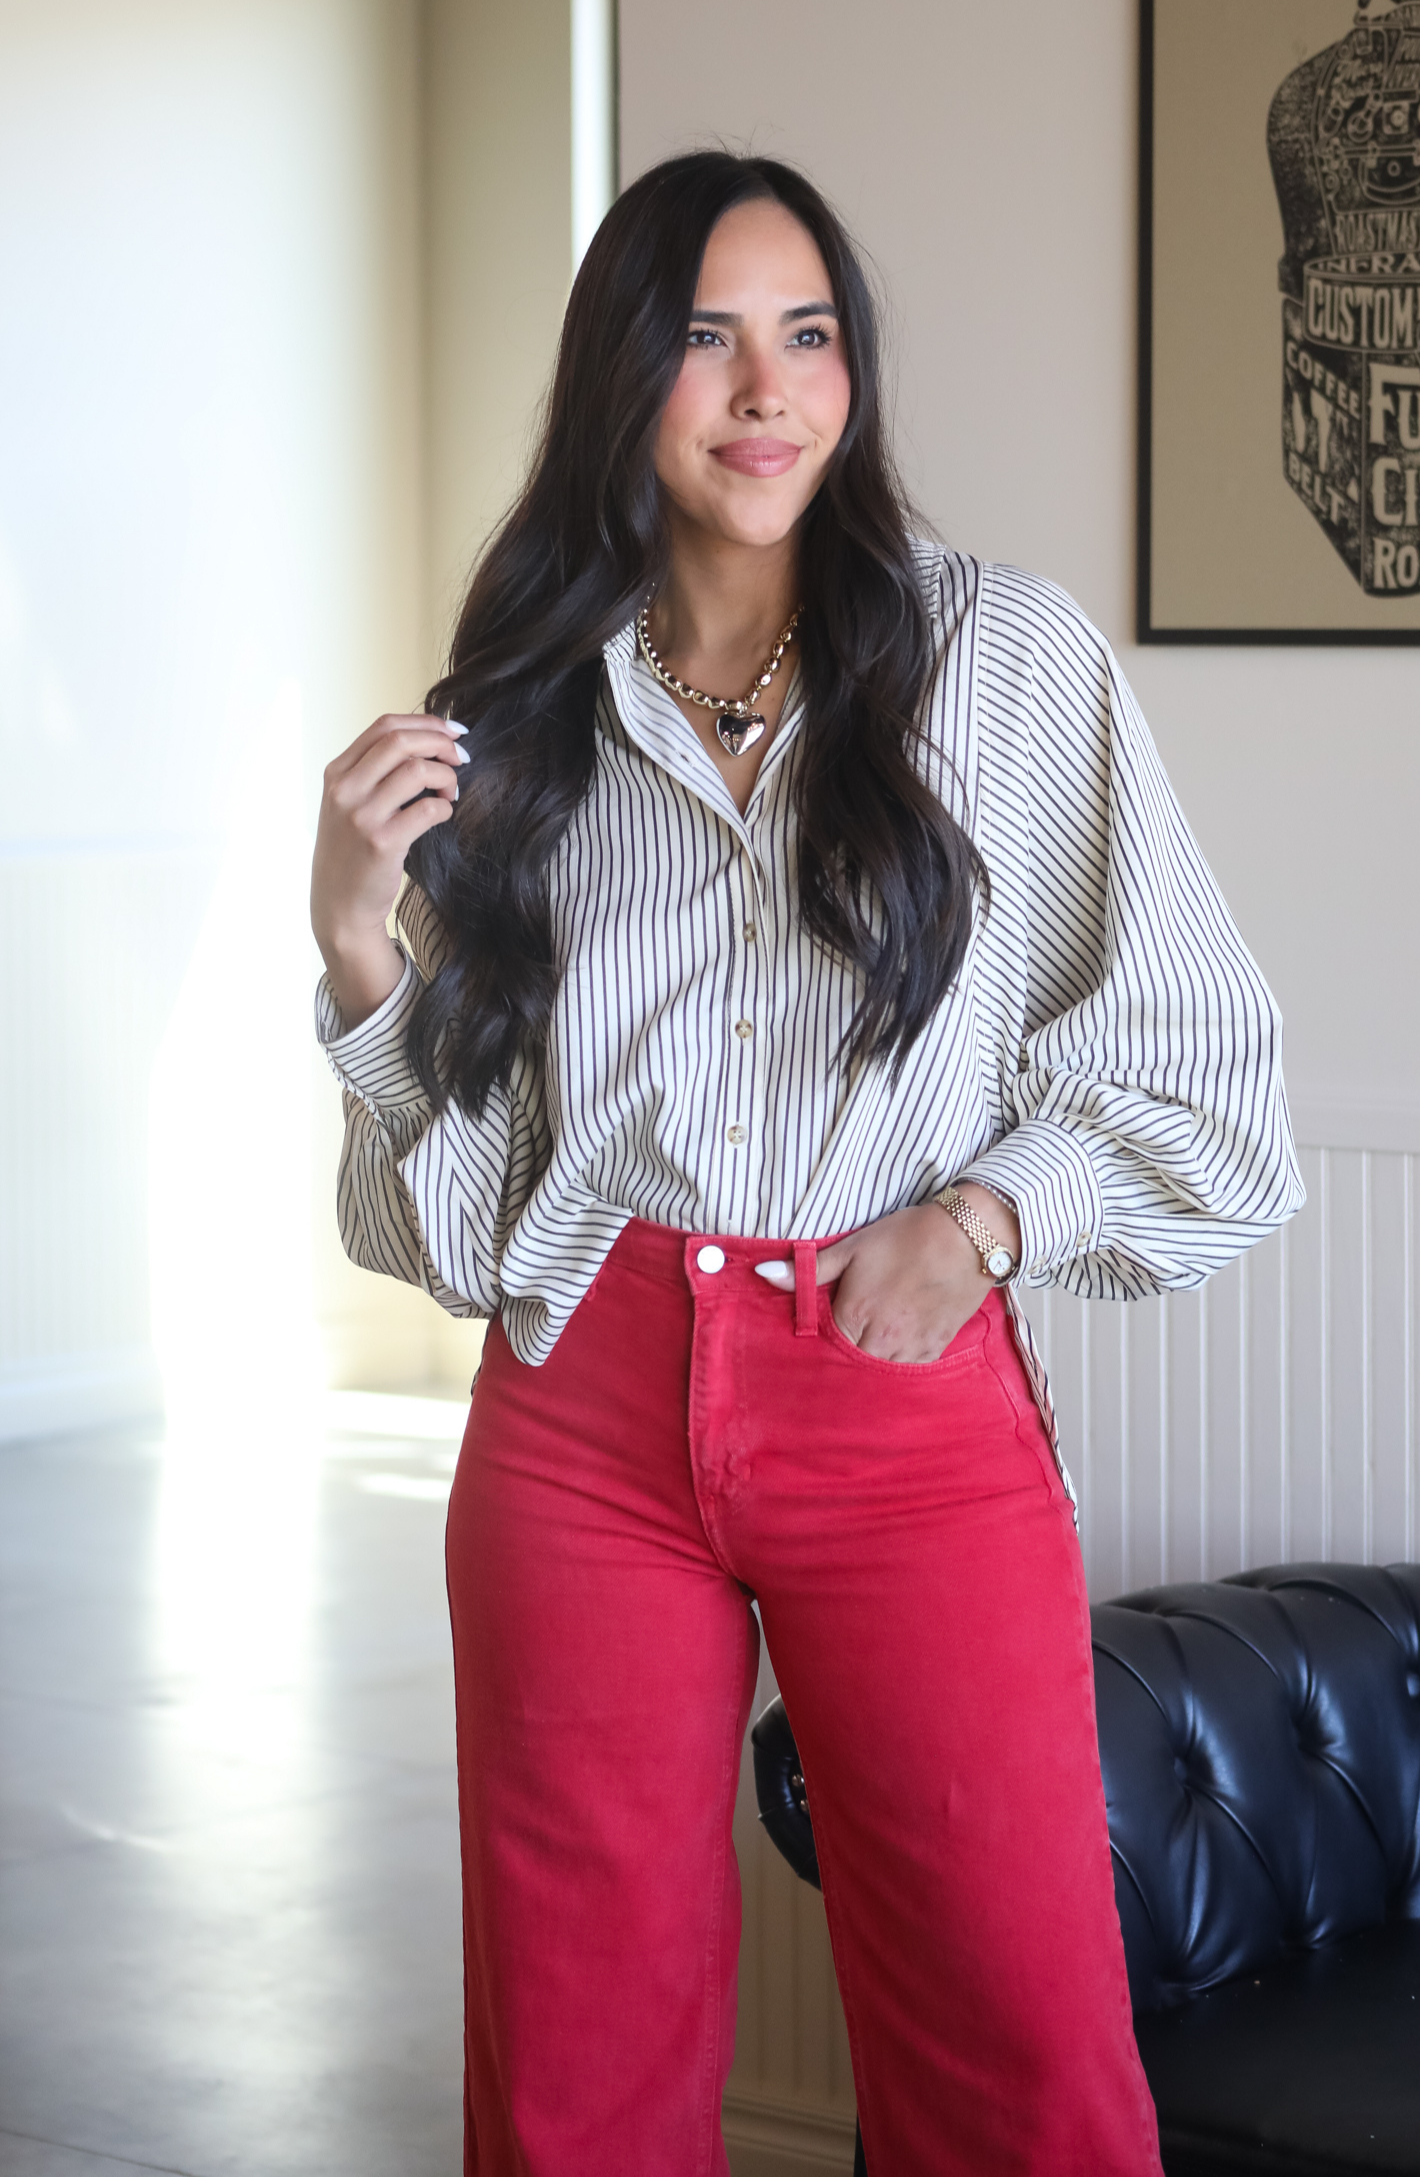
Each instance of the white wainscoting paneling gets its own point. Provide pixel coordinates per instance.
(1268, 1416)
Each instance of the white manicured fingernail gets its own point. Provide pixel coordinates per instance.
(463, 755)
(451, 725)
(774, 1273)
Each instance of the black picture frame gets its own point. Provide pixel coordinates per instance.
(1149, 629)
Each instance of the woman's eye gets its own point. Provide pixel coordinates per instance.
(810, 336)
(703, 336)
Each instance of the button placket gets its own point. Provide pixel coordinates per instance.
(743, 1131)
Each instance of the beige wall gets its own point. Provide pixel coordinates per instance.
(280, 311)
(473, 312)
(210, 544)
(497, 129)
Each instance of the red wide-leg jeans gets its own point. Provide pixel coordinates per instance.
(697, 1439)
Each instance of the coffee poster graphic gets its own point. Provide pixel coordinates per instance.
(1344, 139)
(1280, 454)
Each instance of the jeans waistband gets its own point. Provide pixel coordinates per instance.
(709, 1261)
(659, 1251)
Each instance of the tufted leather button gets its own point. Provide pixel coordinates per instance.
(710, 1260)
(1412, 1684)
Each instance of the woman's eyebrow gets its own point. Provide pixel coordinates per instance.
(788, 317)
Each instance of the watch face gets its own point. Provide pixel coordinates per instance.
(1000, 1262)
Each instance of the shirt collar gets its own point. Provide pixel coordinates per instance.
(655, 722)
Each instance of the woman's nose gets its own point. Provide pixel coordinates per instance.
(760, 391)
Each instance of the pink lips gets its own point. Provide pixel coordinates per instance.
(758, 456)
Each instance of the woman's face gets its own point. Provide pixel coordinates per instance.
(763, 393)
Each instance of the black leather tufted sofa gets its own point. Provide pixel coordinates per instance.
(1260, 1742)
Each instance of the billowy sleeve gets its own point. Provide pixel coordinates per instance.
(1148, 1140)
(426, 1197)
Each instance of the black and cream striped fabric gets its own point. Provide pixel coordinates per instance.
(1110, 1059)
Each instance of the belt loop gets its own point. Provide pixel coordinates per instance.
(805, 1289)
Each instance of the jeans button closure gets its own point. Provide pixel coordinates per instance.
(710, 1259)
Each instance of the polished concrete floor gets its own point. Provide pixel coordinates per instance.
(229, 1941)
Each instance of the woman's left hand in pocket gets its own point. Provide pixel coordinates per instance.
(907, 1284)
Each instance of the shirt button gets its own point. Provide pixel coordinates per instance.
(744, 1029)
(736, 1135)
(710, 1259)
(751, 933)
(1084, 1241)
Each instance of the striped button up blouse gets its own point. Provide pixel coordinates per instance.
(1109, 1058)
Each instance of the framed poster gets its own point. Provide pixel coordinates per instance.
(1279, 421)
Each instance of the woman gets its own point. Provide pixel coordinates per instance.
(803, 946)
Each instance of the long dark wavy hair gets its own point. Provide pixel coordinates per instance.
(886, 876)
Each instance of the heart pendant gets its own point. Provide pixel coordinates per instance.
(737, 734)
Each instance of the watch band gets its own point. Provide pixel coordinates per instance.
(997, 1261)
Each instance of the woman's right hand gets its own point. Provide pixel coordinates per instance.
(370, 817)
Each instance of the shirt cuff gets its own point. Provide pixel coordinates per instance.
(1048, 1175)
(370, 1060)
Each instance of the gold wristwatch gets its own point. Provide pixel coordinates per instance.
(997, 1261)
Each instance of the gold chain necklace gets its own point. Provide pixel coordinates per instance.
(738, 727)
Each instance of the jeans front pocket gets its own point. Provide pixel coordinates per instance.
(966, 1349)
